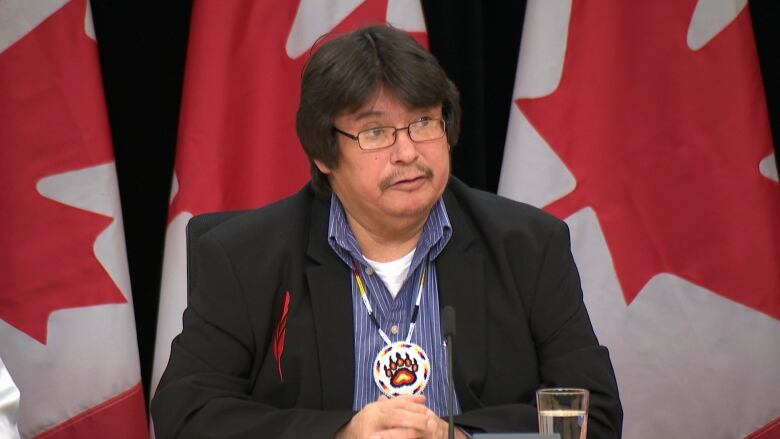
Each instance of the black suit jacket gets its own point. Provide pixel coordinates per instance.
(507, 270)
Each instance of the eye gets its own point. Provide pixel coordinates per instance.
(424, 121)
(374, 133)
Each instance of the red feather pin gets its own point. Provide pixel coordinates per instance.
(279, 335)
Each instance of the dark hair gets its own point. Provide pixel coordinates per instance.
(346, 72)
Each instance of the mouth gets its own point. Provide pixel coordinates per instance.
(407, 180)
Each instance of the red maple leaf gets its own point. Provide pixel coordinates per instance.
(52, 120)
(238, 147)
(664, 143)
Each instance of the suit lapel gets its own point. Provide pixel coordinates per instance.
(329, 285)
(460, 274)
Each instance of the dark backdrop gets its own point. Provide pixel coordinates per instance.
(142, 49)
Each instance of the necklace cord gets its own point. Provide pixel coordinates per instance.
(364, 296)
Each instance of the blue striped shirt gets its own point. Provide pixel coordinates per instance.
(388, 311)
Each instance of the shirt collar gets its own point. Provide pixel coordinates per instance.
(436, 233)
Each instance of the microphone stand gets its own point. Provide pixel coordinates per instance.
(451, 393)
(449, 333)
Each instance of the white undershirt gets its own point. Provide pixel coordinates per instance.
(393, 273)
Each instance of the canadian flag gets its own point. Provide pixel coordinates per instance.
(237, 145)
(67, 332)
(644, 126)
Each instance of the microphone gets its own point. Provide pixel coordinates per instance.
(448, 324)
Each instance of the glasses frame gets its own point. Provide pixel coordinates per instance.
(356, 137)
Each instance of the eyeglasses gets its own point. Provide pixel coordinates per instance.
(382, 137)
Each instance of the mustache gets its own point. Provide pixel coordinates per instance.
(402, 173)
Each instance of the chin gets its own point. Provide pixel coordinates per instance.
(411, 208)
(414, 203)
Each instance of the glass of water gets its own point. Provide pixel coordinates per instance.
(563, 411)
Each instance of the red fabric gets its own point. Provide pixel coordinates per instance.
(667, 153)
(52, 120)
(59, 200)
(769, 431)
(117, 418)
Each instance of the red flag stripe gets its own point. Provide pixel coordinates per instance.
(121, 417)
(769, 431)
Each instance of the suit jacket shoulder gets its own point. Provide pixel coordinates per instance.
(274, 224)
(494, 213)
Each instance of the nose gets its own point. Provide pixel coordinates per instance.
(404, 150)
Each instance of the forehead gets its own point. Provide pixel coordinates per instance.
(384, 105)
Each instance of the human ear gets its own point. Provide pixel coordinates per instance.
(325, 169)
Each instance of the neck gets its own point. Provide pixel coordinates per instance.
(383, 243)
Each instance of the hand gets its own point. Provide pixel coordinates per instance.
(441, 430)
(403, 417)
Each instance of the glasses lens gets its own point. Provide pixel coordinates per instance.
(376, 137)
(428, 129)
(420, 131)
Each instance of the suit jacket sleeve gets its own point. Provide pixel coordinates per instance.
(567, 350)
(206, 390)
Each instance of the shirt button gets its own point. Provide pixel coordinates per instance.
(394, 329)
(369, 271)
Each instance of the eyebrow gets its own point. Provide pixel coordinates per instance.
(367, 114)
(372, 113)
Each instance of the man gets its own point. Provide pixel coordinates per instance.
(319, 316)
